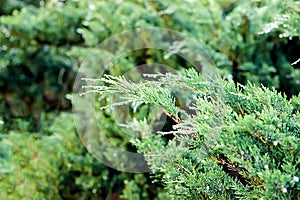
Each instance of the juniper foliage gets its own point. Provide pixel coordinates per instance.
(241, 142)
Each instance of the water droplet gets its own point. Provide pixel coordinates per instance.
(284, 190)
(295, 179)
(276, 142)
(4, 48)
(91, 6)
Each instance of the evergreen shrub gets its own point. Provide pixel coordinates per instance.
(241, 142)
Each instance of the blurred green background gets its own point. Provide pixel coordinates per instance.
(42, 44)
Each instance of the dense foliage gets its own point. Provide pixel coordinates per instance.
(42, 44)
(241, 142)
(53, 164)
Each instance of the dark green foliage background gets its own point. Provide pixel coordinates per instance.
(42, 44)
